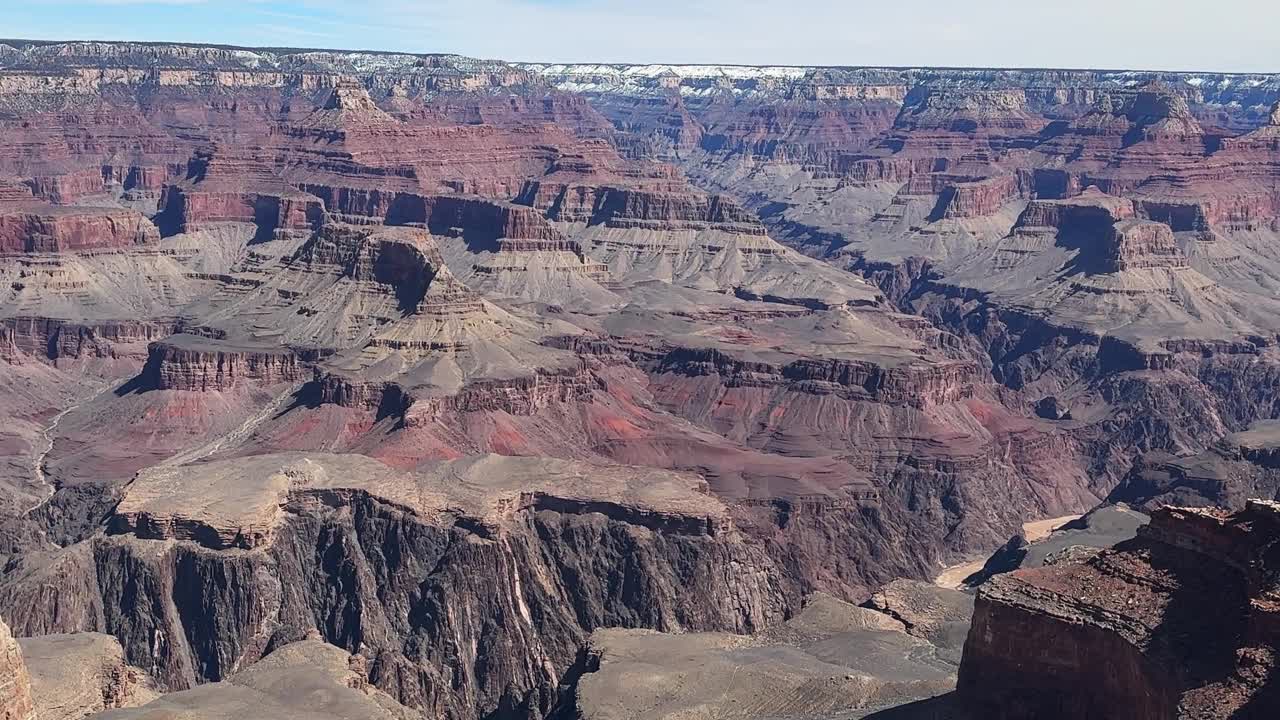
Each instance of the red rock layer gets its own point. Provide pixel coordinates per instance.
(284, 210)
(806, 130)
(13, 190)
(28, 228)
(1184, 621)
(521, 396)
(487, 218)
(141, 180)
(909, 385)
(979, 198)
(660, 205)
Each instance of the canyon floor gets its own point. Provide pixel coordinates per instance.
(375, 385)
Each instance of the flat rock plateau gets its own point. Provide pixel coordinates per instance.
(373, 385)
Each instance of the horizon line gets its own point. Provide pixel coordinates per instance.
(285, 49)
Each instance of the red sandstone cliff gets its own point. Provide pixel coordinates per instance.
(29, 228)
(1184, 621)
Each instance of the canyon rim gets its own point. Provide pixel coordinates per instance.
(354, 384)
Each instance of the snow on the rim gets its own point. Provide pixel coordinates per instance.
(733, 72)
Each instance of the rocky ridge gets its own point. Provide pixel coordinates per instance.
(454, 521)
(1138, 626)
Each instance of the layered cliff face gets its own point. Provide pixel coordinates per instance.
(1238, 467)
(859, 416)
(51, 229)
(698, 241)
(1180, 622)
(946, 122)
(844, 325)
(466, 587)
(137, 290)
(98, 269)
(1093, 305)
(354, 286)
(185, 362)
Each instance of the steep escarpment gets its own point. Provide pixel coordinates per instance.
(1085, 233)
(467, 587)
(1114, 317)
(675, 211)
(186, 362)
(1180, 622)
(52, 229)
(914, 386)
(860, 415)
(350, 286)
(1240, 466)
(53, 339)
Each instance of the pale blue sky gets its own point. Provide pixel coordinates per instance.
(1236, 35)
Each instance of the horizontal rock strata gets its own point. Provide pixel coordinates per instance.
(1181, 622)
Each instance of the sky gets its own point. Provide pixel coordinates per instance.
(1221, 35)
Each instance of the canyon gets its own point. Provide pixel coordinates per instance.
(357, 384)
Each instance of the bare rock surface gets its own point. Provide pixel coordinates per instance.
(239, 503)
(1240, 466)
(936, 614)
(453, 576)
(831, 660)
(1099, 529)
(1179, 622)
(79, 674)
(15, 680)
(306, 679)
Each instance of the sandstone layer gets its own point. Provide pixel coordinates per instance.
(1179, 622)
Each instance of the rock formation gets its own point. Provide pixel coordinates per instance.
(186, 362)
(460, 380)
(304, 679)
(1240, 466)
(53, 229)
(830, 658)
(15, 681)
(509, 540)
(78, 673)
(1180, 622)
